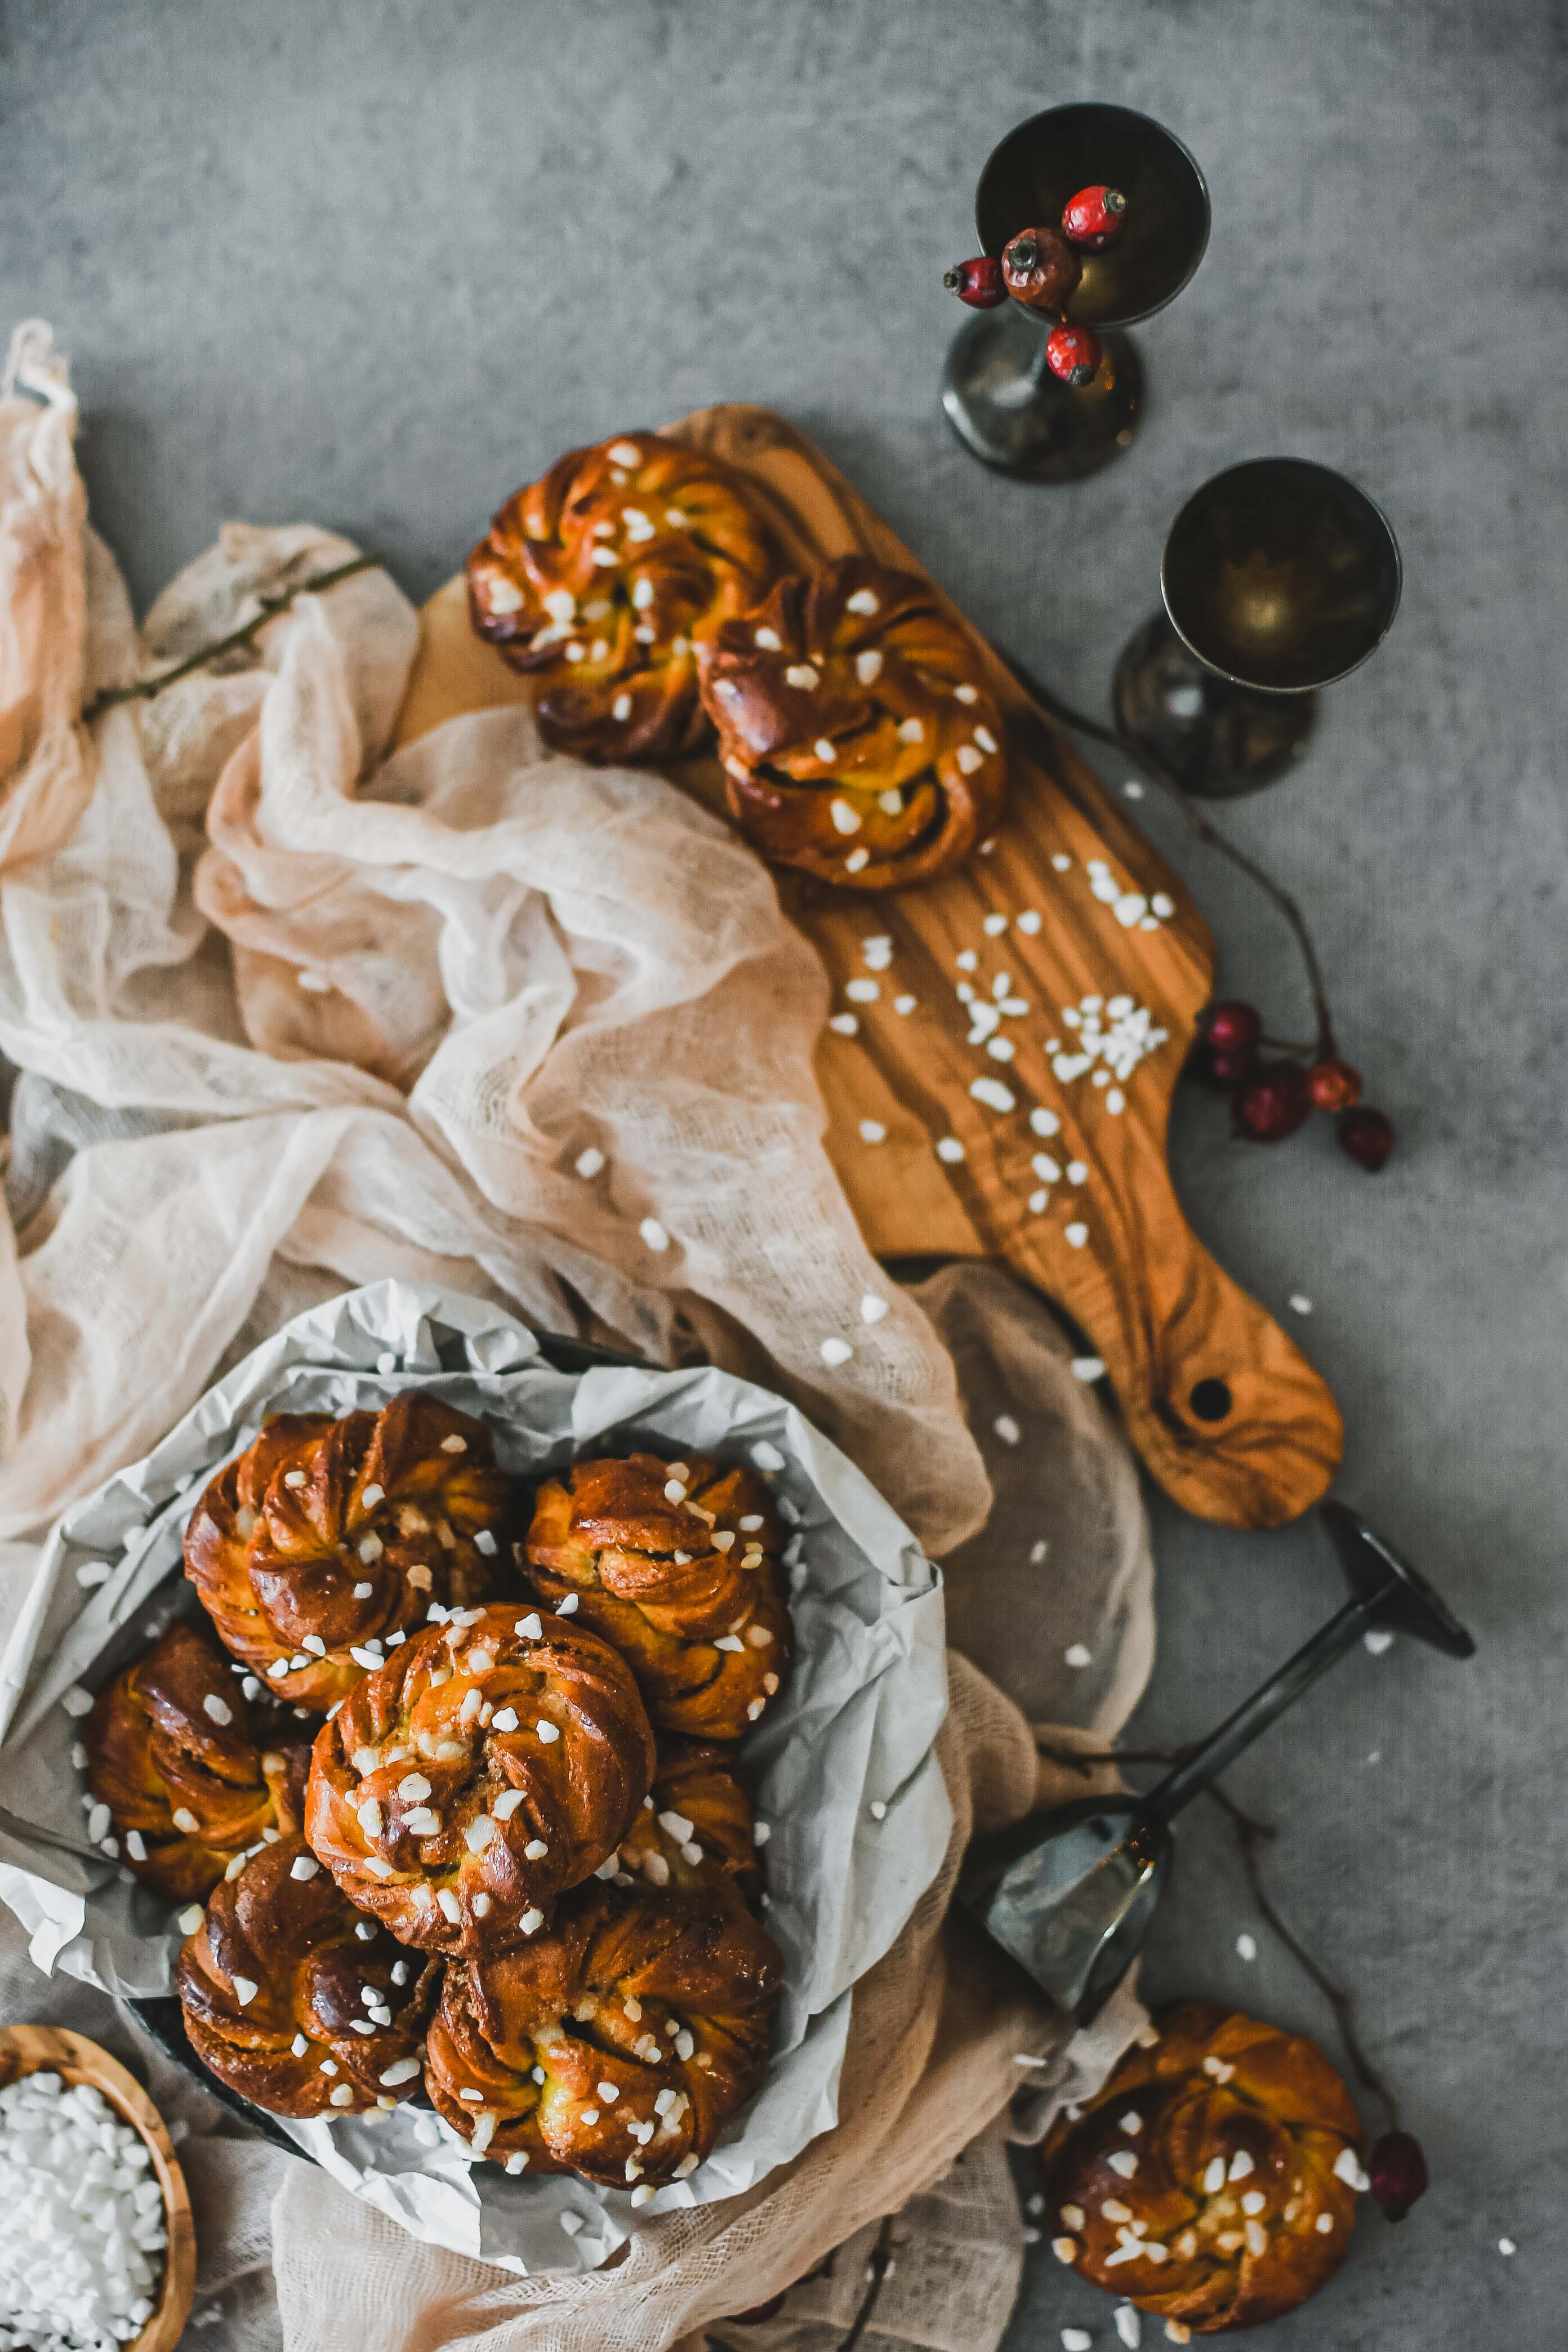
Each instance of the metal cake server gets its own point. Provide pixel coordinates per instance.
(1071, 1894)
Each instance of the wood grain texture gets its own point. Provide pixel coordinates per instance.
(30, 2048)
(1113, 1249)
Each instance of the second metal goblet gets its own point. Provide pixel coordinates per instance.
(1279, 578)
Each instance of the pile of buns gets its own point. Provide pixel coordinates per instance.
(454, 1806)
(852, 716)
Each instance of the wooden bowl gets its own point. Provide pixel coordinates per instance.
(34, 2049)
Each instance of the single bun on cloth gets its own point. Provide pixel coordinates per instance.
(327, 1540)
(675, 1563)
(649, 2018)
(1212, 2178)
(858, 738)
(295, 1999)
(695, 1830)
(607, 575)
(492, 1763)
(191, 1769)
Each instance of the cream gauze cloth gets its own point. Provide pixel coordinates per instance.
(292, 1016)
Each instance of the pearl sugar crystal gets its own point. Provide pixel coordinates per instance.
(81, 2254)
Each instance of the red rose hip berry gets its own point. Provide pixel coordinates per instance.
(1041, 267)
(1335, 1085)
(1095, 218)
(1225, 1071)
(977, 282)
(1396, 2171)
(1275, 1101)
(1365, 1136)
(1233, 1026)
(1073, 352)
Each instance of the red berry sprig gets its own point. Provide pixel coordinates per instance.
(1040, 268)
(1094, 218)
(1272, 1100)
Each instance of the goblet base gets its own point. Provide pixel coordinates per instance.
(1219, 740)
(1012, 414)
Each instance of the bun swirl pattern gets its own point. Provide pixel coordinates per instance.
(675, 1562)
(294, 1999)
(645, 2018)
(858, 738)
(695, 1830)
(492, 1763)
(606, 576)
(1212, 2178)
(192, 1771)
(327, 1541)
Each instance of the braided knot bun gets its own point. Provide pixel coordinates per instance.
(608, 574)
(858, 736)
(328, 1539)
(694, 1831)
(296, 2000)
(674, 1562)
(492, 1763)
(192, 1771)
(1212, 2179)
(650, 2018)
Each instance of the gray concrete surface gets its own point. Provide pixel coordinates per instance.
(375, 264)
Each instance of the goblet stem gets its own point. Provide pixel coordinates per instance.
(1255, 1714)
(1014, 415)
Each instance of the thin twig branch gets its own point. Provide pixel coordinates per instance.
(1250, 1834)
(1201, 825)
(145, 688)
(877, 2269)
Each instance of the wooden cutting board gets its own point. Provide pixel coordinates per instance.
(1068, 906)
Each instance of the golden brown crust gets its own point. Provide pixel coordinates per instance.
(699, 1619)
(858, 738)
(331, 1536)
(273, 1986)
(695, 1830)
(649, 2017)
(492, 1763)
(608, 573)
(191, 1770)
(1239, 2130)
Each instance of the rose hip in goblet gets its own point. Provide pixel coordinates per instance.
(1040, 268)
(1094, 218)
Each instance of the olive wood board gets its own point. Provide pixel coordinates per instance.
(1224, 1410)
(36, 2049)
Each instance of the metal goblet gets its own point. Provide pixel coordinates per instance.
(999, 393)
(1071, 1896)
(1279, 577)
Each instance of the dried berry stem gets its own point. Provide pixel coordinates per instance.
(145, 688)
(1202, 826)
(877, 2269)
(1250, 1834)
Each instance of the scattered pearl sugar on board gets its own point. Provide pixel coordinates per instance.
(75, 2268)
